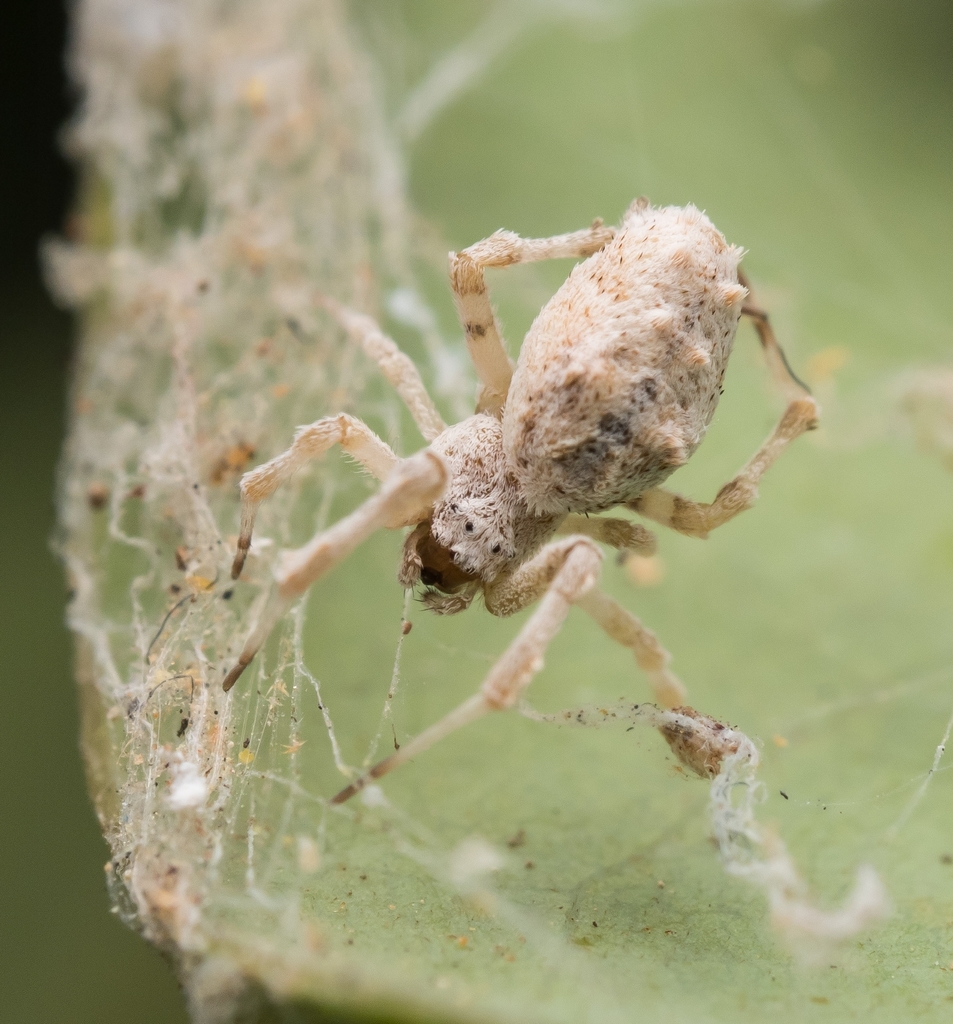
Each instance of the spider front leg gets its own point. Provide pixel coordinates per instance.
(470, 295)
(394, 364)
(310, 442)
(530, 582)
(405, 498)
(562, 574)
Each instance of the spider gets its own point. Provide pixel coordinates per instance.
(616, 383)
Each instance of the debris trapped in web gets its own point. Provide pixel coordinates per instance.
(729, 759)
(238, 168)
(234, 166)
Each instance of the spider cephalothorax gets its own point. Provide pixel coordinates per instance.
(480, 527)
(616, 384)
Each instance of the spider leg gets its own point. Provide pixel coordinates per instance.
(470, 295)
(404, 498)
(617, 533)
(395, 365)
(650, 655)
(530, 582)
(563, 573)
(698, 519)
(791, 385)
(310, 442)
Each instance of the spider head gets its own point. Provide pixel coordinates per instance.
(473, 522)
(480, 528)
(477, 533)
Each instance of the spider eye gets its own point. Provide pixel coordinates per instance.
(469, 527)
(495, 549)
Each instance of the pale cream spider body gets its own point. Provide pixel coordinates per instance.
(615, 386)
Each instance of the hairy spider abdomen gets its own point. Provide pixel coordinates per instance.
(620, 374)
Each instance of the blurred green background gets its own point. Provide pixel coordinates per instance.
(820, 136)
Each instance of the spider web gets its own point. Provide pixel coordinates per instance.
(235, 166)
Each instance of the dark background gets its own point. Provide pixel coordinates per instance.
(63, 956)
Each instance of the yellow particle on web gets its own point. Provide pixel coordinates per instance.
(254, 256)
(645, 572)
(238, 455)
(255, 94)
(199, 583)
(824, 364)
(246, 756)
(779, 741)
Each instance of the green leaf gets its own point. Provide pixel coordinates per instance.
(818, 622)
